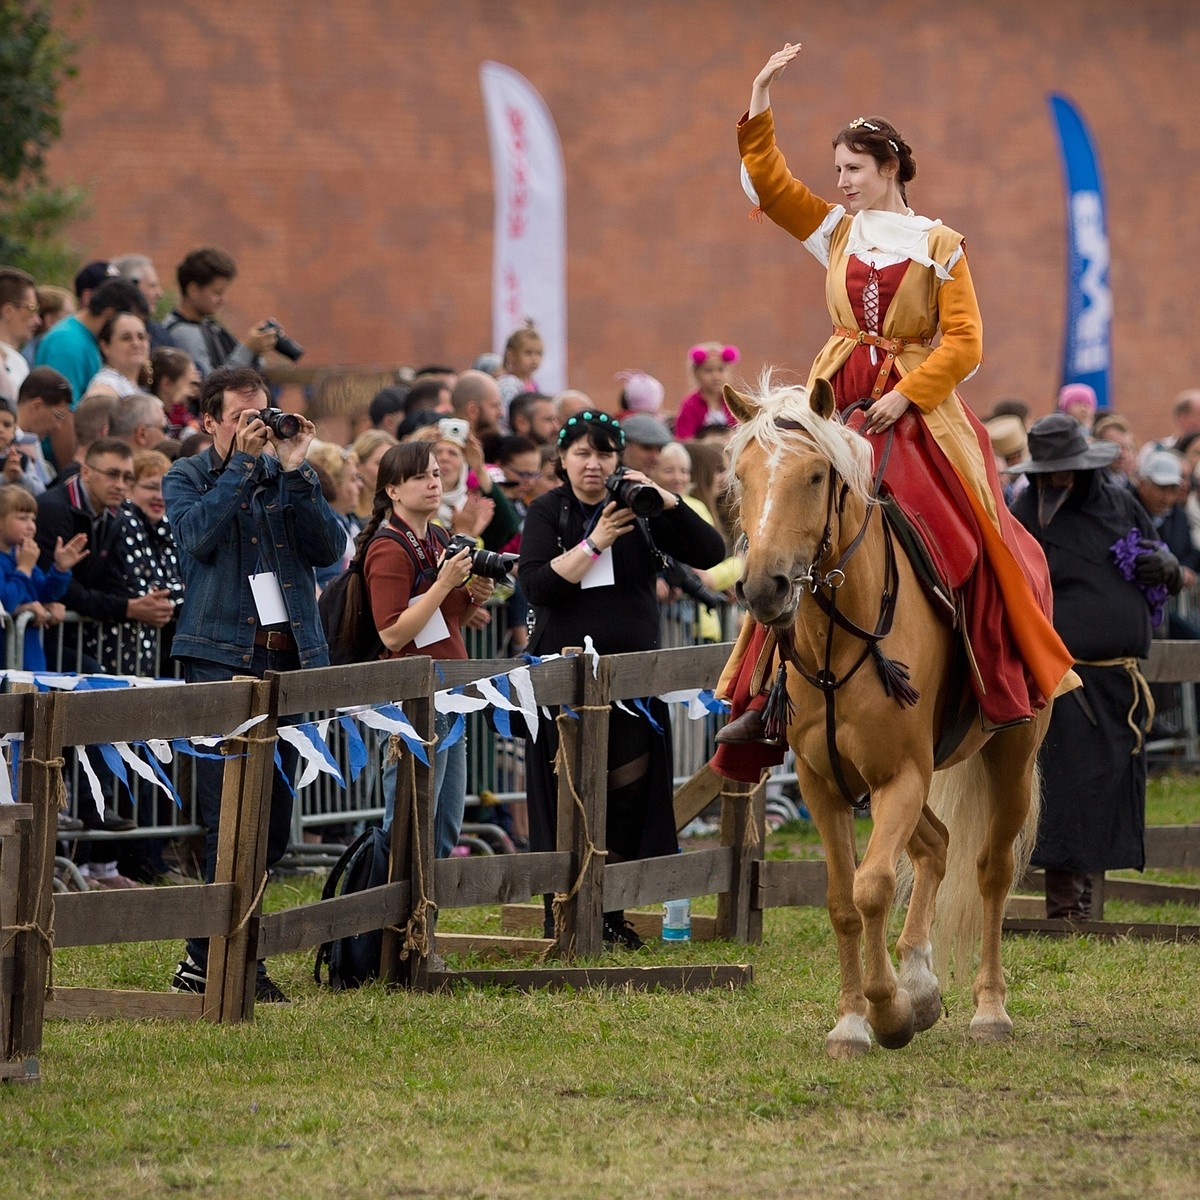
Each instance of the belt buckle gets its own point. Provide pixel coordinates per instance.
(862, 337)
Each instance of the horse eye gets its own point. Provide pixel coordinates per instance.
(816, 477)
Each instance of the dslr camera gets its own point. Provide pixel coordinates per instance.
(644, 500)
(283, 425)
(487, 563)
(283, 343)
(680, 575)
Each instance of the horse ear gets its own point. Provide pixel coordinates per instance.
(821, 400)
(741, 406)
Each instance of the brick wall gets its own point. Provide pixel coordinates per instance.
(339, 152)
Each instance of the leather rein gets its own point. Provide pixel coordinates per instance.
(824, 587)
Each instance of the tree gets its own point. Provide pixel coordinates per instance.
(35, 59)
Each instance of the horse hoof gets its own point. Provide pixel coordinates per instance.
(849, 1038)
(897, 1033)
(985, 1030)
(921, 984)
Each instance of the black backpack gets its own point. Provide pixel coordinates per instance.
(352, 961)
(345, 609)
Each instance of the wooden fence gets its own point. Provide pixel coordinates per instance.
(34, 920)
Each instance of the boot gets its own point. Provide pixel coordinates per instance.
(749, 727)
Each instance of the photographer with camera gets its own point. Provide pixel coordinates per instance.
(204, 277)
(251, 525)
(422, 587)
(590, 555)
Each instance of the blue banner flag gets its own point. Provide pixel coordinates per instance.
(1087, 353)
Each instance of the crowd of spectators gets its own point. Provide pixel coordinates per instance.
(138, 477)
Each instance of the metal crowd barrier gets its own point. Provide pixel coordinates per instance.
(325, 812)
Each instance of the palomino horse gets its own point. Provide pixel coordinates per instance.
(805, 485)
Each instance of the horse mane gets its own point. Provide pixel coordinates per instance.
(848, 453)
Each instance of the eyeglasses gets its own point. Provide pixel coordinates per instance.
(526, 474)
(115, 473)
(150, 485)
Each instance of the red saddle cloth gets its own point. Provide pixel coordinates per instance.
(941, 515)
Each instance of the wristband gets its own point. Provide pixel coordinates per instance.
(589, 549)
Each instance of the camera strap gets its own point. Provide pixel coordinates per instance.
(424, 555)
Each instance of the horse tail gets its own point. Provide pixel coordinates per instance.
(962, 797)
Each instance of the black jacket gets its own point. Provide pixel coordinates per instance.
(98, 588)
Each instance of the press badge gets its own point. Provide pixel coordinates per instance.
(600, 573)
(268, 599)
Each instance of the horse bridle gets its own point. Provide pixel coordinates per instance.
(823, 586)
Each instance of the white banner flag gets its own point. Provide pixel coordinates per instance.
(529, 257)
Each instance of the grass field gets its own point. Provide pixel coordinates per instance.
(610, 1094)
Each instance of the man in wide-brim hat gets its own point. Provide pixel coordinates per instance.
(1111, 577)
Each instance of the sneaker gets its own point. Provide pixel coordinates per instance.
(188, 977)
(619, 932)
(267, 991)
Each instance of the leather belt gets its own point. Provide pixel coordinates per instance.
(275, 639)
(890, 346)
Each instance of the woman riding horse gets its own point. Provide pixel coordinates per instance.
(894, 282)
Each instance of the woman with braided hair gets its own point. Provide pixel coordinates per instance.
(895, 283)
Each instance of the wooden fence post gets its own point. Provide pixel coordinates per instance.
(412, 849)
(583, 809)
(34, 907)
(242, 860)
(743, 820)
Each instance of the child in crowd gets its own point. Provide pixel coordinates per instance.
(710, 363)
(15, 467)
(23, 586)
(640, 393)
(522, 357)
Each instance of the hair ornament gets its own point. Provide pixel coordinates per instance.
(610, 424)
(729, 354)
(894, 147)
(697, 354)
(863, 123)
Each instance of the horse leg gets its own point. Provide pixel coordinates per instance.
(896, 807)
(927, 849)
(834, 820)
(1009, 798)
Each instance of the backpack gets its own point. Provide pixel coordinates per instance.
(345, 610)
(352, 961)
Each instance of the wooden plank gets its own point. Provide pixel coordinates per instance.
(492, 945)
(15, 819)
(499, 879)
(1173, 847)
(653, 672)
(142, 914)
(1104, 929)
(319, 689)
(696, 794)
(554, 683)
(582, 810)
(44, 715)
(122, 714)
(1172, 662)
(311, 925)
(647, 925)
(787, 883)
(1138, 891)
(14, 849)
(241, 860)
(20, 1070)
(412, 850)
(638, 979)
(668, 877)
(81, 1003)
(743, 827)
(1025, 908)
(12, 711)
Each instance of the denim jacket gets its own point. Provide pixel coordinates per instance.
(235, 520)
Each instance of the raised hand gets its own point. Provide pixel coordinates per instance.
(760, 100)
(66, 556)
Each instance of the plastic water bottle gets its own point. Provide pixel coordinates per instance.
(677, 921)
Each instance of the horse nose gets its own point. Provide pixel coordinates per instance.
(770, 590)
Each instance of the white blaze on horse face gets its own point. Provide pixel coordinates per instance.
(772, 467)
